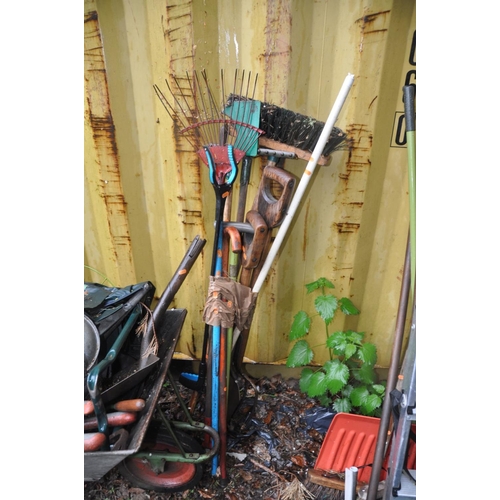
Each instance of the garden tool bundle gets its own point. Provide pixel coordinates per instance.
(223, 135)
(222, 138)
(330, 139)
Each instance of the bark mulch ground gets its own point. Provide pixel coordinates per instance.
(274, 437)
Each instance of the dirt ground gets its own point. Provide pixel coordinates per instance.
(274, 437)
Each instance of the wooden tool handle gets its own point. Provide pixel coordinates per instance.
(273, 209)
(92, 441)
(253, 245)
(126, 405)
(115, 419)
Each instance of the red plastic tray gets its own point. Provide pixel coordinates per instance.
(351, 441)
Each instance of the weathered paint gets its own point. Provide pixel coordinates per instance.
(104, 198)
(353, 221)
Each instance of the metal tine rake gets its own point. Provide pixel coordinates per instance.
(221, 137)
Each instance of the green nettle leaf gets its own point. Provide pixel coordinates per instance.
(300, 355)
(379, 389)
(313, 286)
(317, 386)
(336, 374)
(325, 283)
(350, 350)
(367, 374)
(359, 396)
(300, 326)
(337, 342)
(347, 307)
(305, 379)
(324, 400)
(354, 337)
(335, 386)
(353, 366)
(368, 353)
(319, 283)
(346, 391)
(332, 383)
(326, 305)
(342, 405)
(371, 404)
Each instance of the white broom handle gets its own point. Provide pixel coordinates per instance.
(304, 181)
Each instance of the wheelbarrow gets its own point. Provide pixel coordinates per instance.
(149, 449)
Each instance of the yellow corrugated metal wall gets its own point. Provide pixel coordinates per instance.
(147, 195)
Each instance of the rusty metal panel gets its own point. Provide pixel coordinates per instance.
(147, 195)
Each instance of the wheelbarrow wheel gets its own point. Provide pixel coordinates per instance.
(176, 476)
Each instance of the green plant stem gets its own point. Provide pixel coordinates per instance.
(326, 328)
(329, 350)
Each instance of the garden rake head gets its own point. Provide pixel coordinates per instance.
(221, 133)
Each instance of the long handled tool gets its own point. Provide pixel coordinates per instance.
(266, 214)
(407, 290)
(304, 181)
(385, 418)
(208, 129)
(170, 291)
(325, 136)
(409, 104)
(222, 138)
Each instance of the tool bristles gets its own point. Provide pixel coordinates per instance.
(298, 130)
(294, 129)
(204, 120)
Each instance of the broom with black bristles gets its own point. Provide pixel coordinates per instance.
(286, 130)
(306, 138)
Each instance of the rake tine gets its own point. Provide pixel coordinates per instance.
(207, 117)
(223, 114)
(188, 120)
(239, 140)
(171, 111)
(193, 93)
(213, 106)
(198, 132)
(164, 101)
(215, 109)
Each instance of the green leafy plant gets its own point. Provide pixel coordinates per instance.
(348, 380)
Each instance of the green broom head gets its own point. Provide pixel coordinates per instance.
(245, 112)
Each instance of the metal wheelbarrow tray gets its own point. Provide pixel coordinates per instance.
(151, 456)
(99, 463)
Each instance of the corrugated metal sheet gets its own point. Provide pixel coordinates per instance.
(147, 194)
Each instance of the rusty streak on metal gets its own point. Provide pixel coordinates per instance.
(101, 123)
(346, 227)
(91, 16)
(277, 53)
(358, 136)
(103, 131)
(277, 62)
(371, 17)
(374, 31)
(194, 213)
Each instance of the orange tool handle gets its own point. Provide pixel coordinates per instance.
(126, 405)
(92, 441)
(115, 419)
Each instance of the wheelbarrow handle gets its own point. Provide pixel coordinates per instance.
(125, 405)
(92, 441)
(115, 419)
